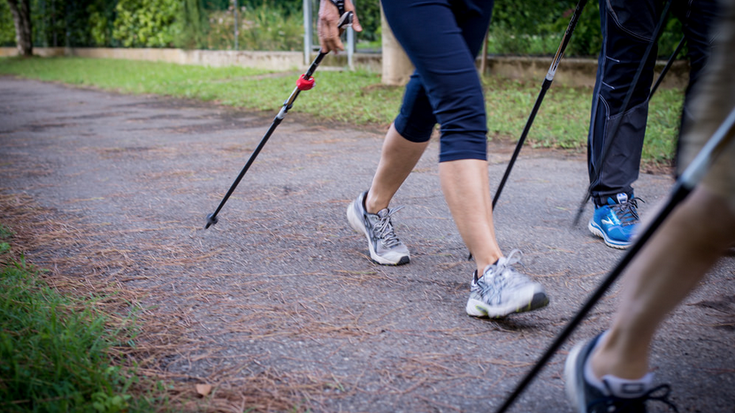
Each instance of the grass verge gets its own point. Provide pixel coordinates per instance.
(56, 351)
(357, 98)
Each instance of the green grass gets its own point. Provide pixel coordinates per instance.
(357, 98)
(563, 119)
(54, 349)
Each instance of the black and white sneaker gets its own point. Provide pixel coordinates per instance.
(385, 247)
(618, 395)
(502, 290)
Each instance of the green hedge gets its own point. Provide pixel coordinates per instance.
(538, 26)
(527, 27)
(7, 30)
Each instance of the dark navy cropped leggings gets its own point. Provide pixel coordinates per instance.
(442, 39)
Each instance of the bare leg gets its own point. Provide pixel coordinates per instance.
(688, 244)
(397, 159)
(465, 185)
(467, 190)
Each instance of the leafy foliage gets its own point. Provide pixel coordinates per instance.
(101, 18)
(192, 20)
(530, 27)
(7, 28)
(146, 23)
(537, 27)
(261, 28)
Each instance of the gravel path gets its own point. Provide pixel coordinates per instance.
(279, 300)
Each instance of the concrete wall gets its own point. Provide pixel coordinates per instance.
(216, 58)
(571, 71)
(575, 71)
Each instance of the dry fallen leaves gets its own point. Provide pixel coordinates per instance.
(203, 389)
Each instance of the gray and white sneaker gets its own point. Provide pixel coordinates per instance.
(385, 247)
(502, 290)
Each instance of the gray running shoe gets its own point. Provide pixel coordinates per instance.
(502, 290)
(624, 397)
(385, 247)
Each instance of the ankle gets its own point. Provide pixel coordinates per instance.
(372, 204)
(611, 357)
(486, 260)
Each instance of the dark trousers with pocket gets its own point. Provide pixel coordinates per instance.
(627, 30)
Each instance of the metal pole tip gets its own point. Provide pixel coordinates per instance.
(211, 220)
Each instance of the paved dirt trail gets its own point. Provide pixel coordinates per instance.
(279, 299)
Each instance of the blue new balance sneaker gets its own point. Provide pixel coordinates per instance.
(617, 221)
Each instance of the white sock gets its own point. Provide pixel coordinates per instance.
(623, 388)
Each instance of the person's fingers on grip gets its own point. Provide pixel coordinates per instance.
(329, 39)
(355, 21)
(327, 27)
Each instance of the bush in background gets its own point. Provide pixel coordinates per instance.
(7, 29)
(146, 23)
(530, 27)
(537, 28)
(192, 20)
(260, 28)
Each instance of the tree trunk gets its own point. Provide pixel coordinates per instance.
(21, 10)
(397, 68)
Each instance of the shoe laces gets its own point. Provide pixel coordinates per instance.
(500, 276)
(635, 404)
(384, 227)
(627, 212)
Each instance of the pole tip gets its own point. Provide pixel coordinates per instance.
(211, 220)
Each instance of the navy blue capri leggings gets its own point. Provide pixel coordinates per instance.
(442, 38)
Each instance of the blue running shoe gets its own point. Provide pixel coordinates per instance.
(617, 221)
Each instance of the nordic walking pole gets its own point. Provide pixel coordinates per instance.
(544, 87)
(683, 186)
(305, 82)
(667, 67)
(626, 102)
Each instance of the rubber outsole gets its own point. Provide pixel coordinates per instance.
(574, 382)
(596, 230)
(477, 308)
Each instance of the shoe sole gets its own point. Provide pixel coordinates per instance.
(477, 308)
(596, 230)
(573, 382)
(359, 227)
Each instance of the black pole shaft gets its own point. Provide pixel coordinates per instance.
(683, 187)
(667, 67)
(539, 99)
(345, 20)
(679, 194)
(212, 218)
(250, 161)
(519, 145)
(544, 87)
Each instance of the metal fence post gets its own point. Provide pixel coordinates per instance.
(308, 30)
(234, 15)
